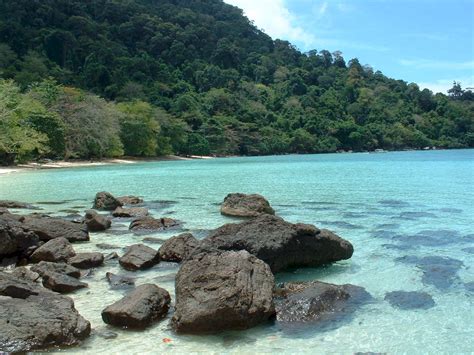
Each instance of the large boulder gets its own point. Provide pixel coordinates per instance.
(106, 201)
(56, 250)
(44, 267)
(139, 257)
(222, 290)
(138, 309)
(87, 260)
(14, 239)
(242, 205)
(48, 228)
(279, 243)
(96, 222)
(178, 248)
(36, 318)
(148, 223)
(129, 200)
(317, 303)
(61, 283)
(130, 212)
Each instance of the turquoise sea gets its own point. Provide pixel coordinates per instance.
(410, 216)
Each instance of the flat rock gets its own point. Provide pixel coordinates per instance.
(139, 308)
(23, 272)
(242, 205)
(222, 290)
(178, 248)
(59, 249)
(130, 212)
(139, 257)
(153, 224)
(48, 228)
(119, 281)
(96, 222)
(279, 243)
(36, 318)
(410, 300)
(44, 267)
(87, 260)
(106, 201)
(129, 200)
(61, 283)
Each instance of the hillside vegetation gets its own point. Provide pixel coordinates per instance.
(101, 78)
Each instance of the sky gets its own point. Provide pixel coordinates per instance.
(428, 42)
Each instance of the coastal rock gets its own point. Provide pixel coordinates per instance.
(106, 201)
(96, 222)
(178, 248)
(48, 228)
(14, 239)
(153, 224)
(139, 257)
(130, 212)
(111, 256)
(59, 249)
(279, 243)
(44, 267)
(23, 272)
(129, 200)
(36, 318)
(87, 260)
(317, 302)
(138, 309)
(222, 290)
(242, 205)
(61, 283)
(119, 281)
(410, 300)
(15, 204)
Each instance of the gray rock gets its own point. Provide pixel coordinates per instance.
(96, 222)
(23, 272)
(111, 256)
(59, 249)
(222, 291)
(138, 309)
(178, 248)
(15, 204)
(119, 281)
(14, 239)
(130, 212)
(139, 257)
(279, 243)
(242, 205)
(87, 260)
(48, 228)
(36, 318)
(44, 267)
(61, 283)
(129, 200)
(106, 201)
(152, 224)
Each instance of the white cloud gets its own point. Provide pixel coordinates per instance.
(443, 85)
(436, 64)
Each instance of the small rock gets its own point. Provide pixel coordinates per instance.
(153, 224)
(87, 260)
(48, 228)
(105, 201)
(242, 205)
(15, 204)
(59, 249)
(139, 257)
(106, 334)
(95, 222)
(61, 283)
(178, 248)
(130, 212)
(118, 281)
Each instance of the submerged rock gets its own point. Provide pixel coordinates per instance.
(279, 243)
(36, 318)
(242, 205)
(61, 283)
(138, 309)
(153, 224)
(106, 201)
(222, 290)
(178, 248)
(59, 249)
(129, 200)
(410, 300)
(119, 281)
(139, 257)
(48, 267)
(87, 260)
(96, 222)
(130, 212)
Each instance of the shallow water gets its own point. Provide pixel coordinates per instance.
(408, 214)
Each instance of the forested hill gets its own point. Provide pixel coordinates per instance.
(197, 77)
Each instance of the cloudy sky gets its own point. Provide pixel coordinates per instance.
(430, 42)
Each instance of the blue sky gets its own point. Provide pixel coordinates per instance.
(429, 42)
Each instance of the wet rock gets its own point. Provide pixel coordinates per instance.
(36, 318)
(96, 222)
(130, 212)
(242, 205)
(61, 283)
(48, 228)
(106, 334)
(45, 267)
(279, 243)
(111, 256)
(59, 249)
(106, 246)
(153, 224)
(154, 240)
(221, 291)
(410, 300)
(119, 281)
(138, 309)
(129, 200)
(15, 204)
(317, 302)
(106, 201)
(139, 257)
(87, 260)
(14, 239)
(25, 273)
(178, 248)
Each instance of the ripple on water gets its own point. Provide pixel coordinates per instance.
(394, 203)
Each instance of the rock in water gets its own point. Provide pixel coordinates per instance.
(15, 204)
(35, 318)
(130, 212)
(55, 250)
(129, 200)
(153, 224)
(87, 260)
(47, 267)
(95, 222)
(178, 248)
(138, 309)
(222, 290)
(119, 281)
(48, 228)
(279, 243)
(106, 201)
(61, 283)
(410, 300)
(242, 205)
(139, 257)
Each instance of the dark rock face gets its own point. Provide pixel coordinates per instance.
(48, 228)
(45, 267)
(61, 283)
(106, 201)
(221, 291)
(130, 212)
(129, 200)
(15, 204)
(178, 248)
(153, 224)
(138, 309)
(280, 244)
(410, 300)
(317, 302)
(55, 250)
(35, 318)
(95, 222)
(139, 257)
(119, 281)
(242, 205)
(14, 239)
(87, 260)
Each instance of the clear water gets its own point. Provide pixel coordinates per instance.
(377, 201)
